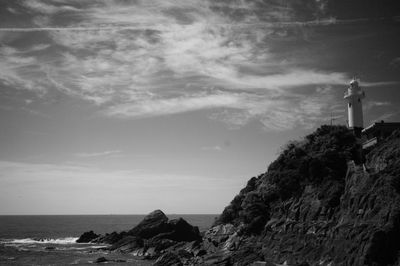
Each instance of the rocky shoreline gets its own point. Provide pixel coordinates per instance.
(318, 204)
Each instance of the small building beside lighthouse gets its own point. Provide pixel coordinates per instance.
(373, 134)
(354, 96)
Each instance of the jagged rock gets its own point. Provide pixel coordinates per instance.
(168, 259)
(153, 224)
(87, 237)
(216, 237)
(155, 233)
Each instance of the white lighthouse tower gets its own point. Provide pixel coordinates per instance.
(354, 96)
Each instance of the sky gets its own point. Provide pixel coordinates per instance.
(123, 107)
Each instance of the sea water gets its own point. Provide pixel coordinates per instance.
(51, 239)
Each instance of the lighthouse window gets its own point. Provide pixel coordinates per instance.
(349, 105)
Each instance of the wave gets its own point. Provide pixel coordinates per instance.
(83, 248)
(61, 241)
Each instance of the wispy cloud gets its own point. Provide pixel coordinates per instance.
(50, 9)
(379, 84)
(212, 148)
(156, 107)
(371, 104)
(141, 59)
(98, 154)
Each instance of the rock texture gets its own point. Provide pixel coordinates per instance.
(315, 206)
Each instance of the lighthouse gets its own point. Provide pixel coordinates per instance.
(354, 96)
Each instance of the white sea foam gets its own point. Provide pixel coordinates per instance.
(61, 241)
(82, 248)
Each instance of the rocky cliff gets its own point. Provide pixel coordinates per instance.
(316, 205)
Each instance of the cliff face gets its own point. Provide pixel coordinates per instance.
(314, 205)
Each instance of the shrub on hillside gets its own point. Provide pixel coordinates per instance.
(320, 159)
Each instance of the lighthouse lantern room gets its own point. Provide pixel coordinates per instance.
(354, 96)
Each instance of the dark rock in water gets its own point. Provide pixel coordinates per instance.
(153, 224)
(87, 237)
(50, 248)
(153, 236)
(101, 260)
(168, 259)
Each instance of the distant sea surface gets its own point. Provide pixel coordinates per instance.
(50, 239)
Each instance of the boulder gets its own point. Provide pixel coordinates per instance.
(87, 237)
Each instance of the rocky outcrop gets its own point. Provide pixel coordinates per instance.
(315, 206)
(152, 237)
(153, 224)
(87, 237)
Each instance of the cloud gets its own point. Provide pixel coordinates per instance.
(98, 154)
(45, 8)
(378, 84)
(142, 59)
(212, 148)
(371, 104)
(17, 69)
(157, 107)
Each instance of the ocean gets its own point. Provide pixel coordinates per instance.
(50, 239)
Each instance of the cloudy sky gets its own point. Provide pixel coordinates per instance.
(112, 106)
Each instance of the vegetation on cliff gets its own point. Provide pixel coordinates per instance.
(320, 159)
